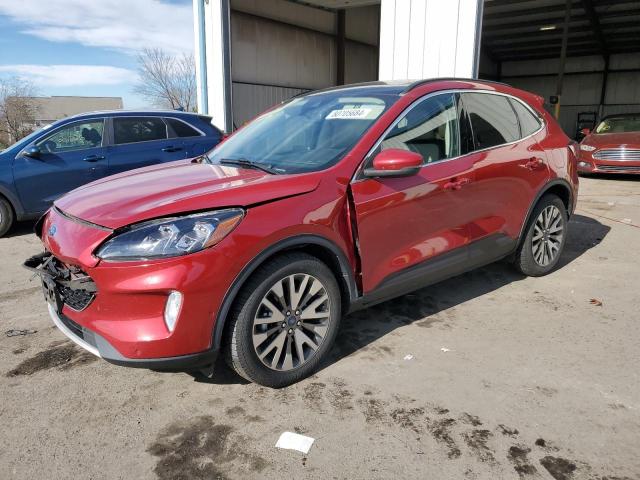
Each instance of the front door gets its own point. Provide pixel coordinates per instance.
(70, 156)
(403, 223)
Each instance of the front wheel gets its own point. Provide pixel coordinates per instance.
(544, 238)
(284, 321)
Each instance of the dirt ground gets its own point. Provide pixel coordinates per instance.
(510, 378)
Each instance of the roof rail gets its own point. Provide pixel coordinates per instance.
(431, 80)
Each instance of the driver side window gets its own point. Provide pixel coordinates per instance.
(76, 136)
(430, 128)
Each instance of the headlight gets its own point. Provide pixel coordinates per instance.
(587, 148)
(171, 237)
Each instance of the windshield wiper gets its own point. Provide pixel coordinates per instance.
(243, 162)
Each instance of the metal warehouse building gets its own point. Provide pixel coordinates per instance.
(253, 54)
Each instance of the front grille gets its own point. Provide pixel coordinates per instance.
(618, 154)
(77, 299)
(618, 168)
(77, 290)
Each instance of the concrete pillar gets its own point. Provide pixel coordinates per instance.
(429, 38)
(213, 60)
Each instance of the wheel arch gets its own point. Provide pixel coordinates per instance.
(323, 249)
(558, 187)
(13, 201)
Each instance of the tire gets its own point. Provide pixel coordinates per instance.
(544, 239)
(258, 325)
(6, 216)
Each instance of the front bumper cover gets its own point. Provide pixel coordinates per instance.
(44, 265)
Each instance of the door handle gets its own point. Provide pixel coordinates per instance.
(93, 158)
(533, 163)
(171, 148)
(454, 184)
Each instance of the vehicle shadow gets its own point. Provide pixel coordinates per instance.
(20, 228)
(425, 307)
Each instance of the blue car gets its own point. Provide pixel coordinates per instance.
(38, 169)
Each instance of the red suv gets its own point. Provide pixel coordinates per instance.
(333, 201)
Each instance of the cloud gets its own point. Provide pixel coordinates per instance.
(70, 75)
(124, 25)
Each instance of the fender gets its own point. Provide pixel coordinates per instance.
(281, 246)
(547, 186)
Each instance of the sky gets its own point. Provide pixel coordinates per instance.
(89, 47)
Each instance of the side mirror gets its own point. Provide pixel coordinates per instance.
(32, 152)
(585, 131)
(395, 162)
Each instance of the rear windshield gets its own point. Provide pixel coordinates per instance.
(307, 134)
(619, 125)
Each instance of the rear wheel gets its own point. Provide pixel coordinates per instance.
(6, 216)
(284, 321)
(544, 239)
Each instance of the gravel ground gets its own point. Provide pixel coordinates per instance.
(510, 378)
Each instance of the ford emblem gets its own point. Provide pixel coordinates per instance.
(52, 230)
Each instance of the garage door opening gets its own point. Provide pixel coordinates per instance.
(280, 49)
(597, 71)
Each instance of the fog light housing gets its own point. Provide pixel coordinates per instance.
(172, 309)
(583, 164)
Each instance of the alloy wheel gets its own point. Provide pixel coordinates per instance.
(291, 322)
(548, 232)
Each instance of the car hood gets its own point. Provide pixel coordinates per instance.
(631, 139)
(175, 188)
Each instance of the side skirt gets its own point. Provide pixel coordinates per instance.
(479, 253)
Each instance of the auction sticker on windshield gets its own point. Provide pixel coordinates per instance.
(370, 112)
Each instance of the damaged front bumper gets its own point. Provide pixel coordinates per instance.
(68, 286)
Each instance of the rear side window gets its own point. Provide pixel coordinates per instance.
(430, 129)
(492, 119)
(529, 123)
(181, 129)
(134, 129)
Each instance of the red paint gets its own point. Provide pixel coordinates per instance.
(394, 159)
(398, 222)
(602, 141)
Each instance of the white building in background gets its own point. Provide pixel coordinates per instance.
(253, 54)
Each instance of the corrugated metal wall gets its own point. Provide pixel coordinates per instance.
(427, 38)
(582, 84)
(280, 49)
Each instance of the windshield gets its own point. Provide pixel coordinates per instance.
(307, 134)
(619, 125)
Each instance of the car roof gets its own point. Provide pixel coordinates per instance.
(401, 86)
(134, 113)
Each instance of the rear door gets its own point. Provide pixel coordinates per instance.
(71, 156)
(141, 141)
(194, 141)
(403, 223)
(509, 165)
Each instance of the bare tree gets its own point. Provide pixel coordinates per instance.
(166, 80)
(17, 108)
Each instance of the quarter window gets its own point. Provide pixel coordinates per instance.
(528, 122)
(492, 119)
(181, 129)
(132, 129)
(430, 129)
(77, 136)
